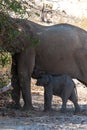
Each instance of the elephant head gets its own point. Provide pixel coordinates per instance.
(15, 34)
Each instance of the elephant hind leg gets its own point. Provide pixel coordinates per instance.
(73, 98)
(65, 96)
(64, 101)
(80, 60)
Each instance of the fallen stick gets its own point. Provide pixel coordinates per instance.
(6, 88)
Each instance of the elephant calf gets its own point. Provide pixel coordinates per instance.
(62, 86)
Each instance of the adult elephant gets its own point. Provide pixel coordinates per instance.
(62, 49)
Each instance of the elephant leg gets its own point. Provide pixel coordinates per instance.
(63, 108)
(74, 99)
(15, 83)
(26, 63)
(64, 95)
(48, 92)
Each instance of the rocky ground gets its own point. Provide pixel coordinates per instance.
(11, 119)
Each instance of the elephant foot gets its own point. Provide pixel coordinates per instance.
(77, 110)
(13, 105)
(48, 110)
(27, 108)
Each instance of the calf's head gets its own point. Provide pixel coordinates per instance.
(43, 80)
(37, 73)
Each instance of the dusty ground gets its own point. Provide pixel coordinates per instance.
(39, 120)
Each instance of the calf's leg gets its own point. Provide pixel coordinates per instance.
(65, 96)
(64, 101)
(48, 92)
(74, 99)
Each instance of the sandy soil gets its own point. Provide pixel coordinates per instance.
(11, 119)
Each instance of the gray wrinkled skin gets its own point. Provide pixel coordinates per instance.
(62, 49)
(62, 86)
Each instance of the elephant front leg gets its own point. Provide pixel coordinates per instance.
(25, 83)
(25, 68)
(48, 92)
(15, 84)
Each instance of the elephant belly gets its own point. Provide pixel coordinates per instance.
(57, 63)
